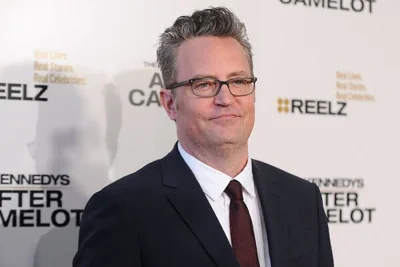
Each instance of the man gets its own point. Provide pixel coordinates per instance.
(206, 203)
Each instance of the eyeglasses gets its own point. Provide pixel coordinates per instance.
(209, 87)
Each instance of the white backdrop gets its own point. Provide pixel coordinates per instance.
(327, 92)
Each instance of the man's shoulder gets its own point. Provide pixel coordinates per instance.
(295, 190)
(282, 177)
(136, 183)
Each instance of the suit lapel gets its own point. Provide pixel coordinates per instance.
(273, 211)
(192, 205)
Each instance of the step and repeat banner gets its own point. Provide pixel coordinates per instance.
(79, 109)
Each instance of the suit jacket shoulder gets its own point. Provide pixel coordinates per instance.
(136, 183)
(283, 178)
(295, 193)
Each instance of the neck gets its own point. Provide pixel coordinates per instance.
(229, 159)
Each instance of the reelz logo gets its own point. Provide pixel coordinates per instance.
(19, 91)
(138, 97)
(344, 5)
(312, 107)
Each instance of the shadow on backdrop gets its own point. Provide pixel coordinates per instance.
(83, 131)
(71, 140)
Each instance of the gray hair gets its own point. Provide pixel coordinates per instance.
(214, 21)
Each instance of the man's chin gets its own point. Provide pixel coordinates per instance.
(226, 141)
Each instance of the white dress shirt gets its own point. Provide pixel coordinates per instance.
(214, 182)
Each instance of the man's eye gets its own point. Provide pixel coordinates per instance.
(240, 82)
(204, 85)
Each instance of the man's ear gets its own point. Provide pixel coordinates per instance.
(168, 102)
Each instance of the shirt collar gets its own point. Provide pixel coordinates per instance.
(214, 182)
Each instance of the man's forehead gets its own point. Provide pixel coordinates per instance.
(210, 56)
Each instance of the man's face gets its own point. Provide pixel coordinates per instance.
(220, 121)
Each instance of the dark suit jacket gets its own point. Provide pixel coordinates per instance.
(159, 216)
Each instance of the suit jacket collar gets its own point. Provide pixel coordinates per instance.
(267, 184)
(192, 205)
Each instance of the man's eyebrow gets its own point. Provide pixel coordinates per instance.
(199, 76)
(238, 73)
(232, 74)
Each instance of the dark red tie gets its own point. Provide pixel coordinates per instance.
(242, 233)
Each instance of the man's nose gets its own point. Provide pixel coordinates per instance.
(224, 97)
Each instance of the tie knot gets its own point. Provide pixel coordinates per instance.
(234, 190)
